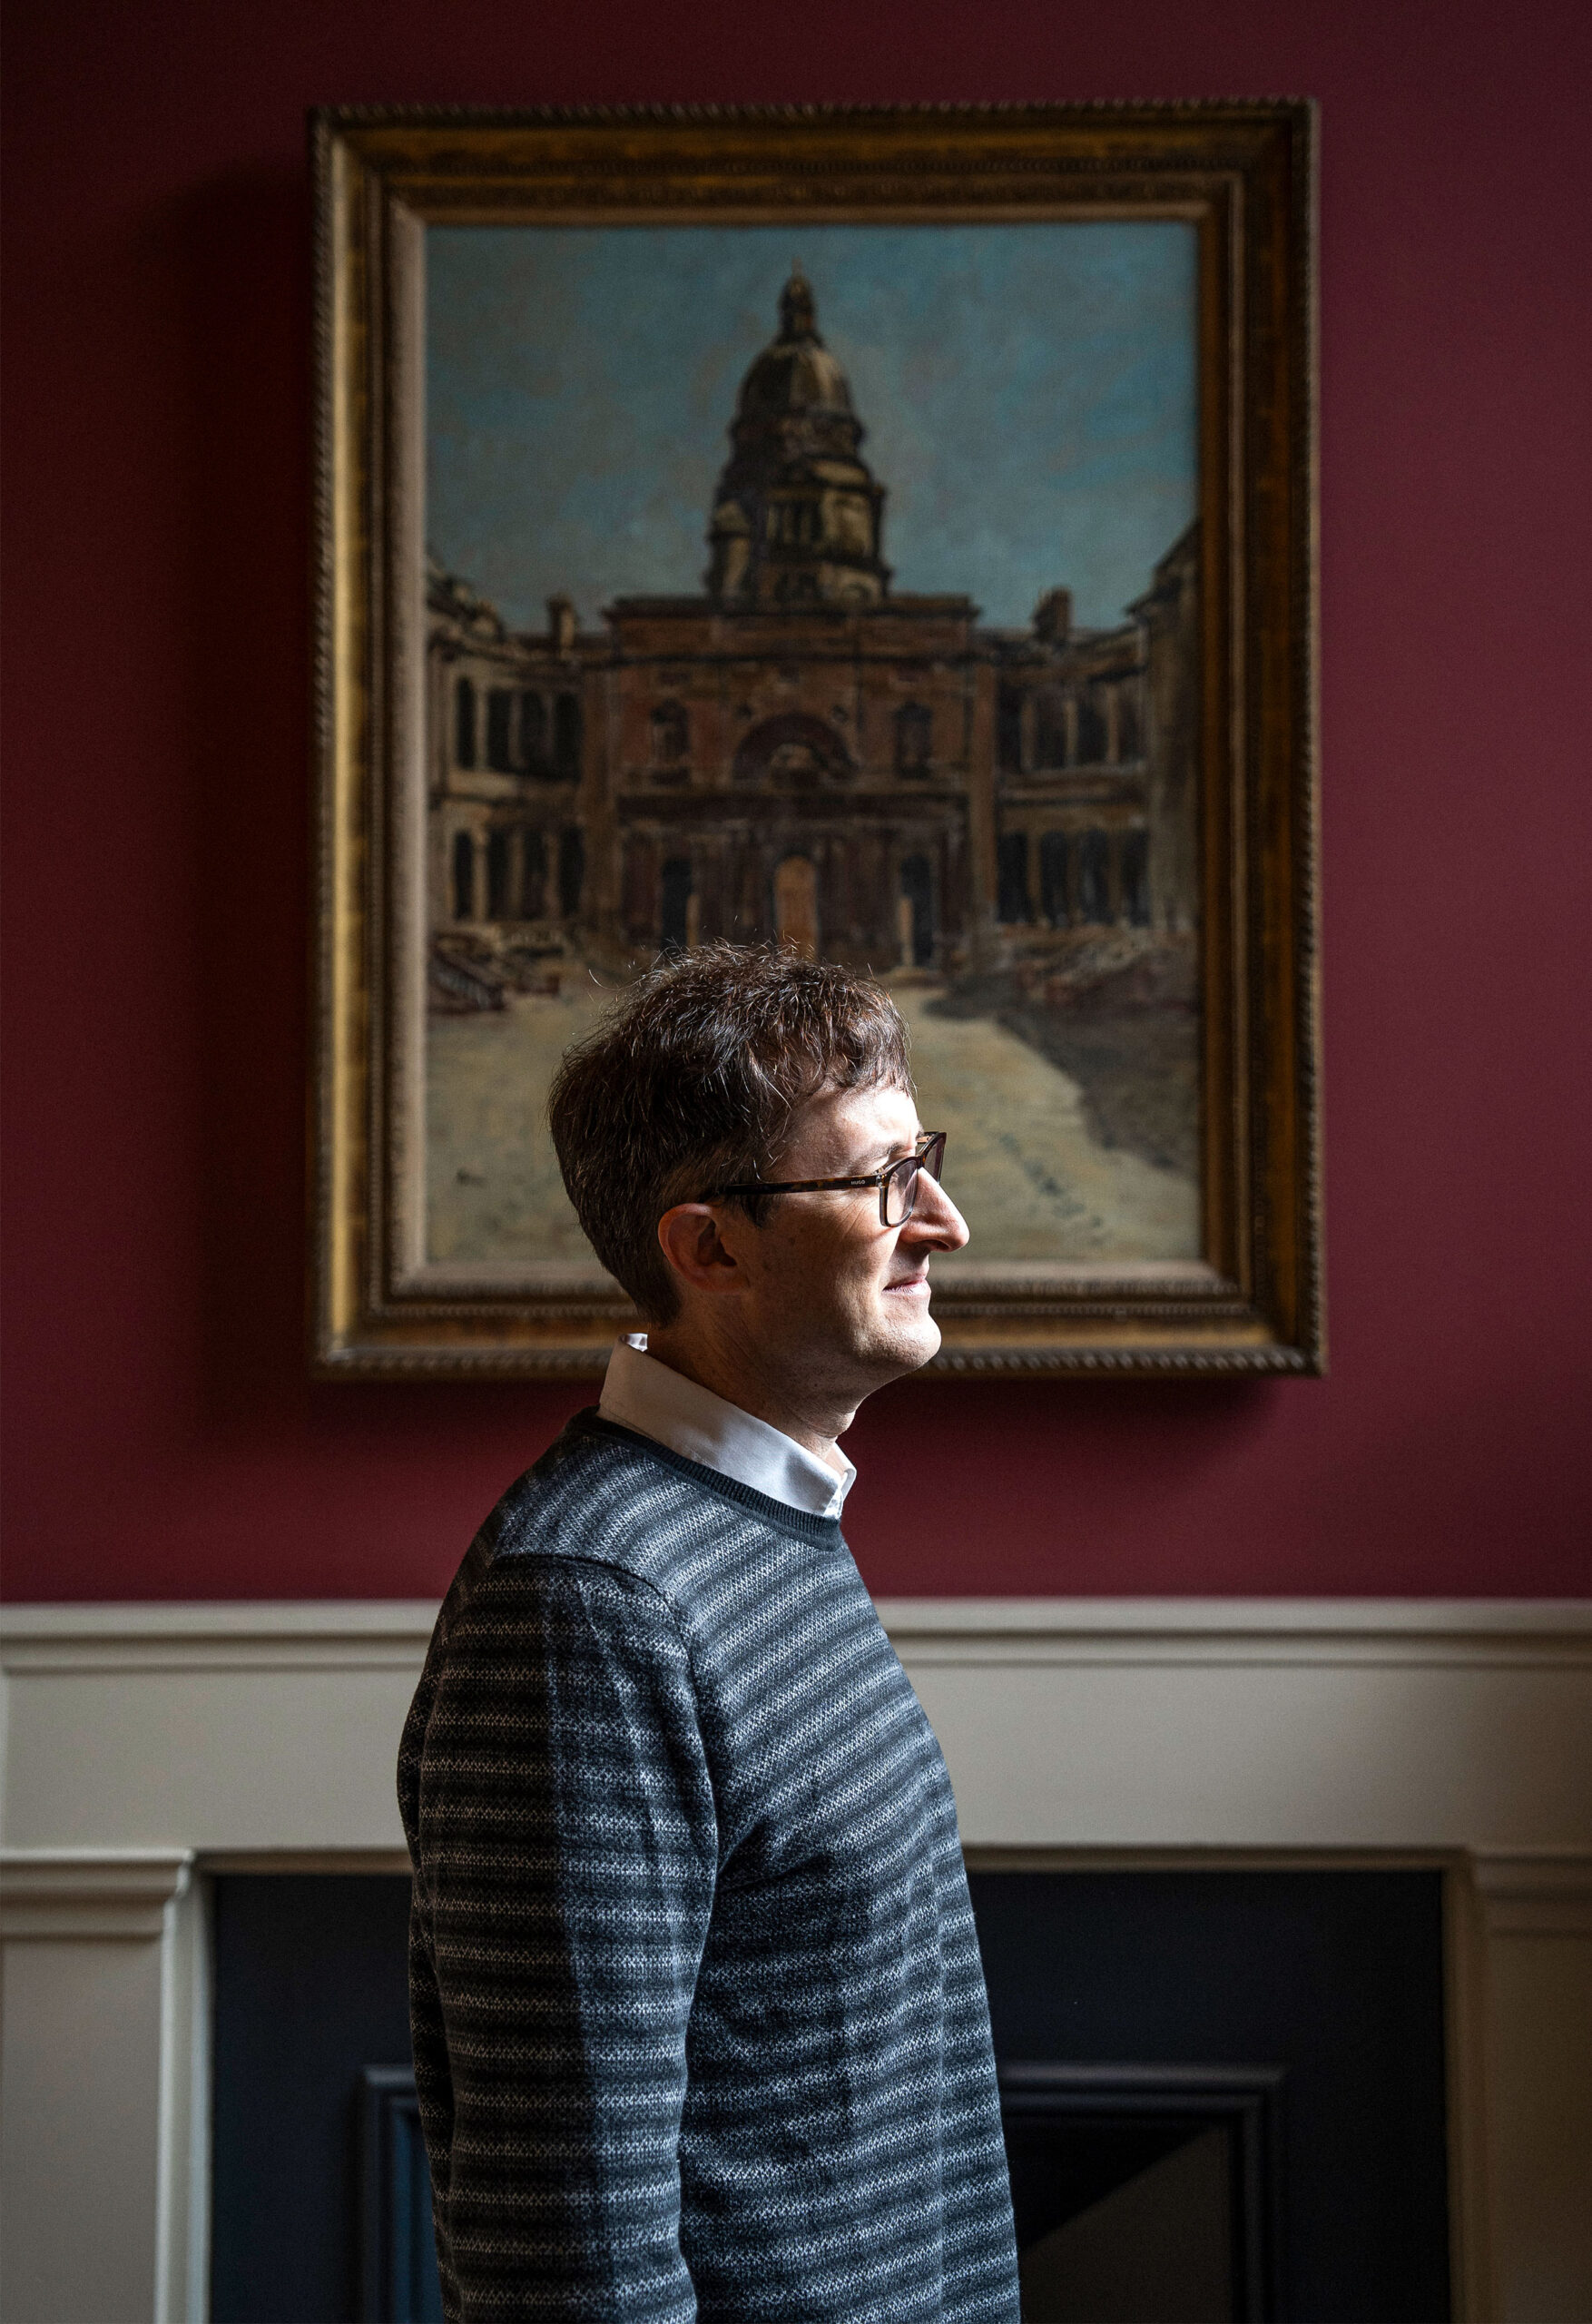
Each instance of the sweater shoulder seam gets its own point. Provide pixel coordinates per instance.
(526, 1562)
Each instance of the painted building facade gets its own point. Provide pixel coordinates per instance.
(802, 752)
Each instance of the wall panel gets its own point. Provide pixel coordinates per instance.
(161, 1438)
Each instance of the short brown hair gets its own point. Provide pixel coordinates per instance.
(689, 1084)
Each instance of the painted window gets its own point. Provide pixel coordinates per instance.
(914, 738)
(1091, 732)
(1012, 878)
(674, 903)
(1094, 877)
(532, 734)
(498, 867)
(464, 876)
(670, 734)
(1135, 878)
(1053, 894)
(572, 869)
(500, 729)
(566, 736)
(464, 724)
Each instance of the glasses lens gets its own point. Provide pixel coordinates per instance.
(933, 1155)
(900, 1191)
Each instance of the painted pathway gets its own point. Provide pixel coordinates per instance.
(1022, 1162)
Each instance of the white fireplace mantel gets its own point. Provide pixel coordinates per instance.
(148, 1746)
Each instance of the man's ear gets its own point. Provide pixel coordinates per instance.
(690, 1240)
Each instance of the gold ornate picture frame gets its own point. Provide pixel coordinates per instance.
(1063, 351)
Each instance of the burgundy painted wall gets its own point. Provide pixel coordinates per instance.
(162, 1439)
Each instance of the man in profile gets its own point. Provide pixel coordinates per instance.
(699, 2019)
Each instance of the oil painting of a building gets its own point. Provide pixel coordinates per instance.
(1001, 822)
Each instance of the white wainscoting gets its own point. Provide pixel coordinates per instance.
(145, 1746)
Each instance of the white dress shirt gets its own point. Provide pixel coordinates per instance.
(640, 1393)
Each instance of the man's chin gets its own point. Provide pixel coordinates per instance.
(907, 1342)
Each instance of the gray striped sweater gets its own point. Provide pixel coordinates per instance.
(698, 2014)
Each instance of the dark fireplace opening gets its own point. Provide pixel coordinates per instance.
(1144, 2192)
(1223, 2092)
(1156, 2245)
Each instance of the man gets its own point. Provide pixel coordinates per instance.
(699, 2019)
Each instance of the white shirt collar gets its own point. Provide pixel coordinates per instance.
(641, 1393)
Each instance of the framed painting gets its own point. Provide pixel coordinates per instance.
(890, 534)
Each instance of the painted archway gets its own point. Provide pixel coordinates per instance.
(793, 751)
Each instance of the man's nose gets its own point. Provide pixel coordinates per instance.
(935, 1220)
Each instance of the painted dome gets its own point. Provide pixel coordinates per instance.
(796, 373)
(797, 512)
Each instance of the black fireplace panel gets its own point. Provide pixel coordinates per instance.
(1333, 1980)
(311, 1987)
(1224, 2097)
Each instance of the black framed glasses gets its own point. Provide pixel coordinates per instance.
(897, 1182)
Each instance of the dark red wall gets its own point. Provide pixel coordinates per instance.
(161, 1438)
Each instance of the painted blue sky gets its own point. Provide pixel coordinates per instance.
(1028, 393)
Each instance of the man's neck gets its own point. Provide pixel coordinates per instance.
(743, 1380)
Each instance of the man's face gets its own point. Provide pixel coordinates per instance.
(843, 1299)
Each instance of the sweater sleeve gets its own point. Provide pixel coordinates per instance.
(565, 1858)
